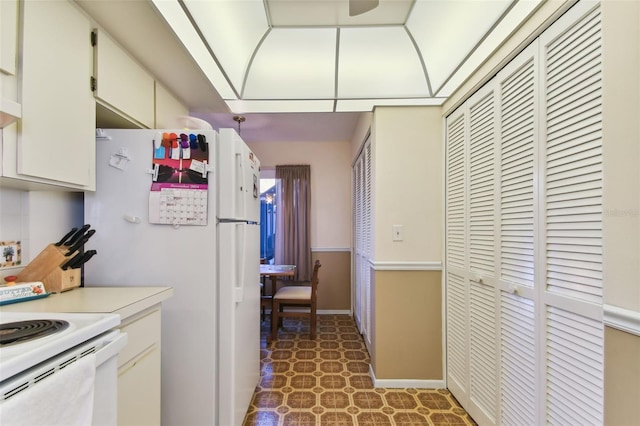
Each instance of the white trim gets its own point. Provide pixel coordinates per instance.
(334, 312)
(405, 383)
(622, 319)
(330, 249)
(383, 265)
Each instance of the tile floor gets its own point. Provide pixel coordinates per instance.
(326, 382)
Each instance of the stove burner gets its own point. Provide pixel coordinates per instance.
(24, 331)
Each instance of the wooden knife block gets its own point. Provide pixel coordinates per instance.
(45, 267)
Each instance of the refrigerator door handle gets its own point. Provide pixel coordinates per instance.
(238, 290)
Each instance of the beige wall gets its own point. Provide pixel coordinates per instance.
(621, 110)
(334, 291)
(330, 185)
(622, 380)
(621, 221)
(407, 325)
(407, 156)
(405, 336)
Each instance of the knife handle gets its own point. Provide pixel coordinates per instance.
(67, 235)
(71, 261)
(77, 245)
(76, 237)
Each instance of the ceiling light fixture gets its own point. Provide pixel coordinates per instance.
(358, 7)
(239, 119)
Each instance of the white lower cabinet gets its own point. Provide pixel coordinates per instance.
(139, 371)
(139, 362)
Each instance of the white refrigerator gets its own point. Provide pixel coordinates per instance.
(182, 208)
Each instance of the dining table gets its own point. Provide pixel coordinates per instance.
(275, 272)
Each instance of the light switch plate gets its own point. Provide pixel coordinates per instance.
(397, 232)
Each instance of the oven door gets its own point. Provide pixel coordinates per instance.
(42, 395)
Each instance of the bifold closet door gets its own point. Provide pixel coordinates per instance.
(457, 297)
(571, 233)
(517, 92)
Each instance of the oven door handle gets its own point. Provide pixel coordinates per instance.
(116, 340)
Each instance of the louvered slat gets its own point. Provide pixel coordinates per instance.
(517, 119)
(574, 162)
(456, 330)
(456, 194)
(483, 350)
(575, 372)
(517, 346)
(481, 185)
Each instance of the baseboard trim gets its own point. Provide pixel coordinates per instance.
(622, 319)
(405, 383)
(319, 311)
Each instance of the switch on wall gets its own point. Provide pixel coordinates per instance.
(397, 232)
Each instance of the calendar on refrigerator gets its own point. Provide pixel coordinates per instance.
(179, 192)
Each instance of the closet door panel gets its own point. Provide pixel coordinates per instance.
(574, 162)
(359, 287)
(481, 242)
(518, 361)
(518, 91)
(572, 230)
(456, 257)
(518, 121)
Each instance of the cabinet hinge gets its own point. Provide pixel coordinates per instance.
(94, 84)
(94, 38)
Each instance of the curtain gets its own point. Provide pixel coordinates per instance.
(293, 203)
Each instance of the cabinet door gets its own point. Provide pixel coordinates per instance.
(57, 132)
(139, 390)
(121, 84)
(8, 35)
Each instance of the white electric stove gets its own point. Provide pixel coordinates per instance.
(20, 355)
(61, 339)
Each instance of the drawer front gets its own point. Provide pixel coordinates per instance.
(142, 332)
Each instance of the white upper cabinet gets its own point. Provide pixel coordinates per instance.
(54, 142)
(9, 108)
(8, 35)
(122, 85)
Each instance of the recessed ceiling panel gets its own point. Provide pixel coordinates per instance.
(334, 13)
(233, 30)
(516, 16)
(379, 62)
(447, 31)
(294, 64)
(268, 106)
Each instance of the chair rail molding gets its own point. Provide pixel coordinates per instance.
(384, 265)
(622, 319)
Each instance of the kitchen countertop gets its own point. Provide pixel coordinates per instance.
(125, 301)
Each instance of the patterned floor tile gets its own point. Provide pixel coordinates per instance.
(326, 382)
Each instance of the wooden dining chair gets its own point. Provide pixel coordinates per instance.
(297, 296)
(265, 300)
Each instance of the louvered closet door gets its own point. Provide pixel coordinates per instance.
(572, 231)
(359, 287)
(483, 351)
(455, 252)
(517, 105)
(367, 238)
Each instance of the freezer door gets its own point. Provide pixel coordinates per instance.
(238, 171)
(239, 319)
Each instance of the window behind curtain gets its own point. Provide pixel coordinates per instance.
(268, 218)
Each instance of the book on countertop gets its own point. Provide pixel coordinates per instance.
(20, 292)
